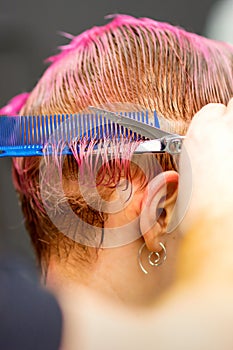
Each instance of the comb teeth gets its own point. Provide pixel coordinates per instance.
(32, 133)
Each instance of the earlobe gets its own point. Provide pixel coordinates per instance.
(157, 208)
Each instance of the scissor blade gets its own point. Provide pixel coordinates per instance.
(152, 146)
(140, 128)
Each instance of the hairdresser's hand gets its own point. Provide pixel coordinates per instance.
(208, 149)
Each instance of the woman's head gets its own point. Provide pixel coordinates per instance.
(127, 64)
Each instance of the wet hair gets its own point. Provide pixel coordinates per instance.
(140, 62)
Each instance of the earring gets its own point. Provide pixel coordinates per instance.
(158, 258)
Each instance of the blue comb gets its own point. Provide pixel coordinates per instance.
(23, 136)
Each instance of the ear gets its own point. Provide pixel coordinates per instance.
(157, 208)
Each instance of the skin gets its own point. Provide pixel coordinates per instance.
(151, 66)
(184, 85)
(197, 311)
(108, 273)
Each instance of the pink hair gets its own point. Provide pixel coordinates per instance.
(140, 61)
(92, 35)
(14, 105)
(87, 70)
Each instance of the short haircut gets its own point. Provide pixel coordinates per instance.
(145, 63)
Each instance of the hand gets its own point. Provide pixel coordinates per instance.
(206, 167)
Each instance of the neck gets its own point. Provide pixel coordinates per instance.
(115, 274)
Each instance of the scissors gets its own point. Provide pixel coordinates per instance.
(160, 141)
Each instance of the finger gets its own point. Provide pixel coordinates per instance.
(229, 111)
(210, 111)
(206, 117)
(230, 105)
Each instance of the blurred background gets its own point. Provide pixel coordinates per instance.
(29, 33)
